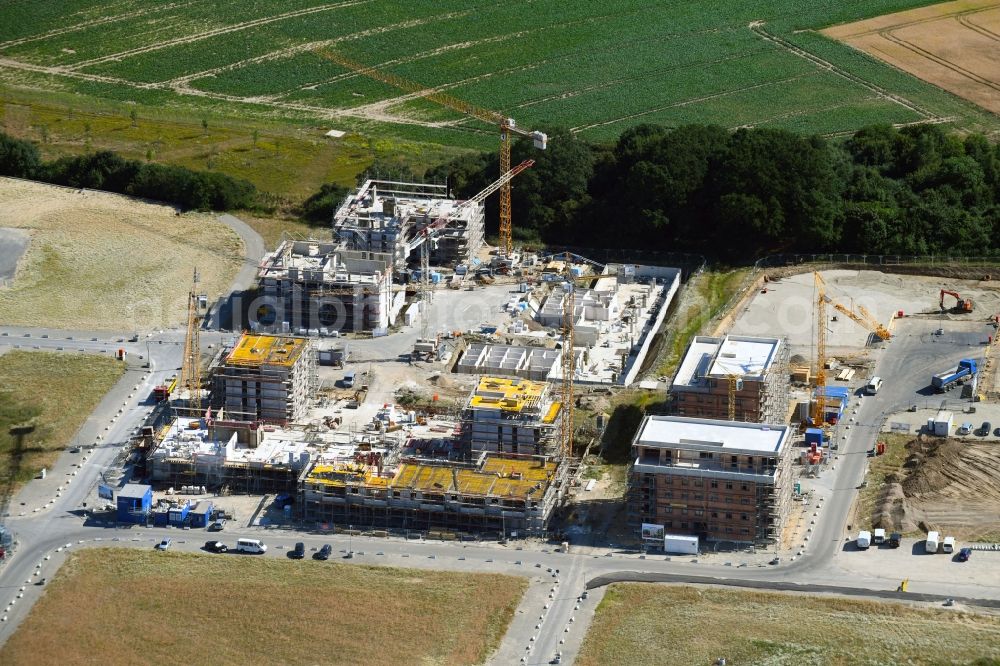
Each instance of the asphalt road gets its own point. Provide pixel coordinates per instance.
(557, 622)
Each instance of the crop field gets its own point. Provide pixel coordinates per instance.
(954, 45)
(640, 624)
(596, 68)
(145, 607)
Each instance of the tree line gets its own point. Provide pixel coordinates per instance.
(735, 196)
(108, 171)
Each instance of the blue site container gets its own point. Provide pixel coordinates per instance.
(178, 515)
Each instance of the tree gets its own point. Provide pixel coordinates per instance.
(319, 207)
(18, 158)
(254, 136)
(204, 125)
(133, 115)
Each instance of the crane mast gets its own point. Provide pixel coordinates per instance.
(568, 363)
(191, 368)
(820, 376)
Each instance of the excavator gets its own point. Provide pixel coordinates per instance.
(962, 305)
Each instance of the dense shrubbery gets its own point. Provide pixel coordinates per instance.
(201, 190)
(737, 195)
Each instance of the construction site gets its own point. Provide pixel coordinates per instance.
(320, 288)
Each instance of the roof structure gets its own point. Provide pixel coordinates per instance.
(506, 394)
(134, 491)
(257, 350)
(709, 357)
(706, 434)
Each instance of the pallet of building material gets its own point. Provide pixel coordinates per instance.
(801, 374)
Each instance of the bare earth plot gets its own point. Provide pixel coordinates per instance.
(954, 45)
(640, 624)
(99, 261)
(950, 485)
(145, 607)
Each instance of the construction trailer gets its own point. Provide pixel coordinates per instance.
(390, 217)
(134, 503)
(513, 416)
(494, 494)
(231, 456)
(264, 378)
(833, 402)
(718, 480)
(750, 372)
(320, 288)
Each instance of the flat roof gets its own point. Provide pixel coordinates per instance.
(709, 434)
(134, 490)
(254, 350)
(749, 357)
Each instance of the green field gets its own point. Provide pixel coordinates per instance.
(597, 68)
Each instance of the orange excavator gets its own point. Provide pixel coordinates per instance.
(962, 305)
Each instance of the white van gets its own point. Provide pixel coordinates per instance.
(864, 539)
(255, 546)
(948, 545)
(873, 385)
(931, 545)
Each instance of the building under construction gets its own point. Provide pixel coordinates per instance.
(535, 363)
(494, 494)
(319, 288)
(228, 456)
(507, 415)
(388, 217)
(264, 378)
(718, 480)
(752, 372)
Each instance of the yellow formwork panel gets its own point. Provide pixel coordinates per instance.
(506, 394)
(498, 477)
(256, 350)
(553, 412)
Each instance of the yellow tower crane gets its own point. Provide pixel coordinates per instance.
(506, 124)
(191, 368)
(819, 382)
(864, 318)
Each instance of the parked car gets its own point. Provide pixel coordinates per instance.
(986, 429)
(216, 547)
(298, 552)
(163, 545)
(217, 526)
(964, 555)
(894, 539)
(964, 429)
(323, 553)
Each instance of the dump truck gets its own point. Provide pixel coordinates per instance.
(965, 370)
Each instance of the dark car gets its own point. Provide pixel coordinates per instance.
(964, 555)
(894, 539)
(986, 429)
(216, 547)
(323, 553)
(298, 552)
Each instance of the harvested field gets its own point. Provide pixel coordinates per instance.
(650, 624)
(954, 45)
(145, 607)
(99, 261)
(949, 485)
(56, 393)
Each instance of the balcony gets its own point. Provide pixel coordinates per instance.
(704, 467)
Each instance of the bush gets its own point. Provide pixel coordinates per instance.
(18, 158)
